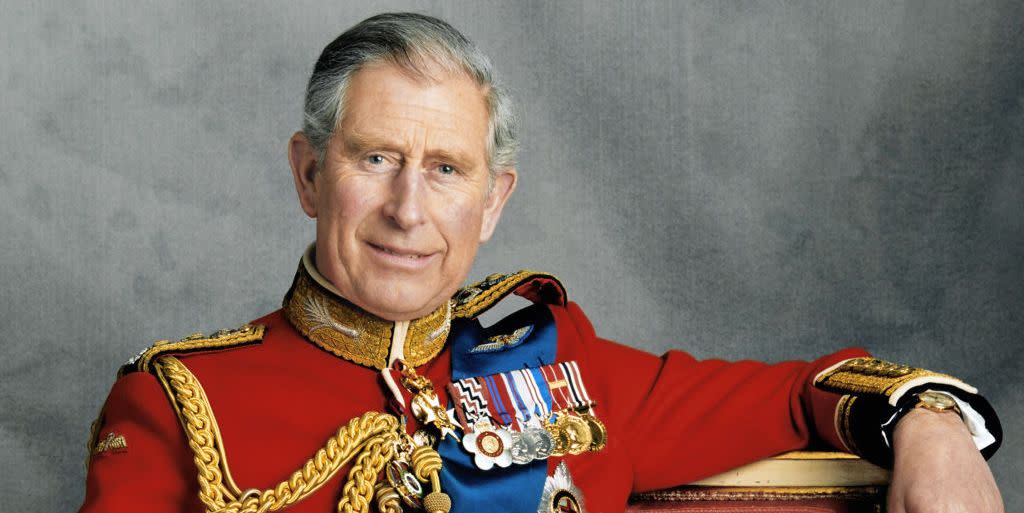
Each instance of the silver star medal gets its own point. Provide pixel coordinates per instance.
(560, 494)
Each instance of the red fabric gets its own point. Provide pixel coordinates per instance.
(670, 420)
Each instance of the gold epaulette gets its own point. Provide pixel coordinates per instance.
(223, 339)
(538, 287)
(871, 376)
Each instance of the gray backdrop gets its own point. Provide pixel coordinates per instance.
(770, 180)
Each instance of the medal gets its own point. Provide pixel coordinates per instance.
(531, 445)
(490, 446)
(559, 444)
(405, 484)
(598, 433)
(522, 450)
(560, 494)
(425, 404)
(576, 433)
(540, 441)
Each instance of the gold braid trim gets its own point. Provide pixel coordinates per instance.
(472, 300)
(345, 330)
(844, 422)
(223, 339)
(878, 377)
(370, 439)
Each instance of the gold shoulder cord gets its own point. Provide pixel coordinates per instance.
(370, 439)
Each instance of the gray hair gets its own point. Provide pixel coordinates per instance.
(418, 44)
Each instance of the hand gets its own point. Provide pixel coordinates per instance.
(937, 468)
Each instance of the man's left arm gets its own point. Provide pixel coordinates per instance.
(934, 431)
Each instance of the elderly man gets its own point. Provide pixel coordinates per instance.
(375, 387)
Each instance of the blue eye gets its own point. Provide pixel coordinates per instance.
(375, 159)
(446, 169)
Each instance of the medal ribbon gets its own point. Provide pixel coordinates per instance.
(514, 398)
(470, 403)
(565, 384)
(575, 379)
(556, 384)
(528, 392)
(522, 412)
(496, 402)
(544, 403)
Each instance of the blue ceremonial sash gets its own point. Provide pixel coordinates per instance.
(517, 488)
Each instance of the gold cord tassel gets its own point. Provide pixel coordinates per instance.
(426, 463)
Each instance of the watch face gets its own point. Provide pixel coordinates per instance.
(937, 400)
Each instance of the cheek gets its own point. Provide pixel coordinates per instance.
(463, 219)
(347, 203)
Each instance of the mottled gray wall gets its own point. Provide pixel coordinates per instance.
(747, 180)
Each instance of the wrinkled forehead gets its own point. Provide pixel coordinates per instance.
(424, 66)
(385, 101)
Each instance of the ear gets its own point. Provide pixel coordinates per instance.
(302, 158)
(504, 183)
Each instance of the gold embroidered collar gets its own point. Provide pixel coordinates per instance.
(317, 310)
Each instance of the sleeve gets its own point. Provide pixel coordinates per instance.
(139, 459)
(682, 419)
(701, 418)
(686, 419)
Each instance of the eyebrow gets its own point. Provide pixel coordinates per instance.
(354, 142)
(358, 142)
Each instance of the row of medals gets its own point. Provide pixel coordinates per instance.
(572, 432)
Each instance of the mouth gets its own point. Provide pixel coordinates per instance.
(403, 253)
(401, 256)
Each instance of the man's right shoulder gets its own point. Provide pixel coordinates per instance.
(249, 334)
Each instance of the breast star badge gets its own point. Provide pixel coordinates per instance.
(560, 494)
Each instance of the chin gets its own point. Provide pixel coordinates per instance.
(401, 300)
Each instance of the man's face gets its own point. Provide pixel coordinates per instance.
(402, 201)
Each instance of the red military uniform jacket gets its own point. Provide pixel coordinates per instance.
(277, 389)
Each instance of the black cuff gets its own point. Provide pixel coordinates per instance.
(872, 421)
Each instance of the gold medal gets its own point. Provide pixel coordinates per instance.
(559, 444)
(576, 433)
(598, 433)
(426, 407)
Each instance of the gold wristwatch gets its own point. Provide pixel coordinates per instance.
(938, 401)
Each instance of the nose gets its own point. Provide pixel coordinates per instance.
(405, 207)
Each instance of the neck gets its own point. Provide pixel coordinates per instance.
(317, 310)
